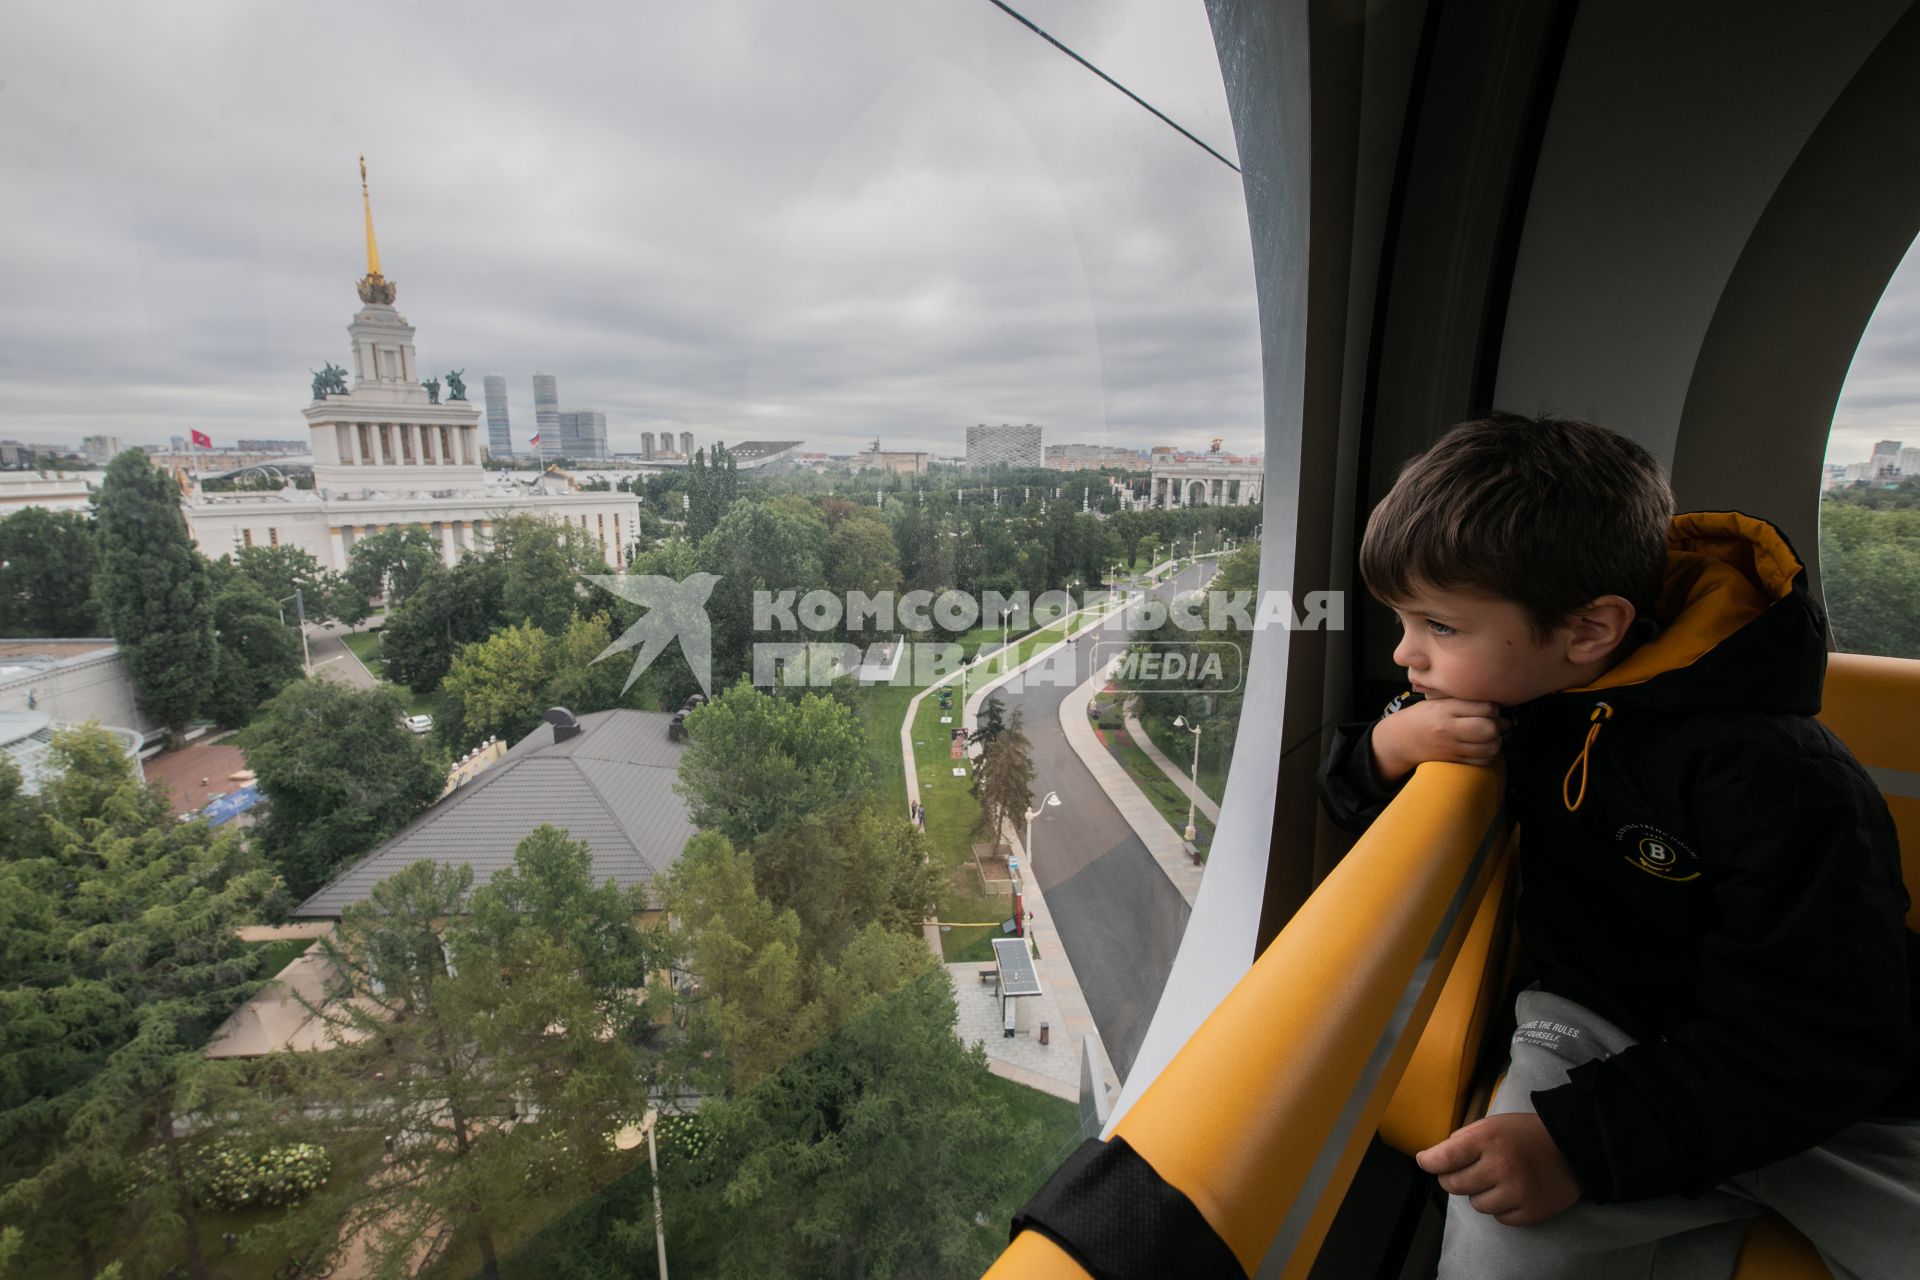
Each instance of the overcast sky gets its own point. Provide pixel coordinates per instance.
(1881, 400)
(828, 221)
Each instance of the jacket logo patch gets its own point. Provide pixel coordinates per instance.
(1658, 853)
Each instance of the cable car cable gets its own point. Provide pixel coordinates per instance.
(1028, 23)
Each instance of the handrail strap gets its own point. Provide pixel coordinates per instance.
(1120, 1220)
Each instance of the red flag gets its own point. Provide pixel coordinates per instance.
(202, 439)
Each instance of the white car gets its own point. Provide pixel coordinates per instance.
(420, 724)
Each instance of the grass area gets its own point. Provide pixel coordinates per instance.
(952, 811)
(1166, 795)
(366, 647)
(1177, 746)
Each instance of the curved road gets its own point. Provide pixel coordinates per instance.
(1118, 915)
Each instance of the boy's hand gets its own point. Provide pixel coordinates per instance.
(1507, 1166)
(1447, 729)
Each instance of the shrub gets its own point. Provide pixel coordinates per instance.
(227, 1177)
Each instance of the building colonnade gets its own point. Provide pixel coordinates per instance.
(372, 444)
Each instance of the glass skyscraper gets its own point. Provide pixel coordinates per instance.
(499, 436)
(546, 413)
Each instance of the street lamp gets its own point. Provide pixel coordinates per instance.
(1006, 611)
(626, 1140)
(1052, 801)
(1180, 722)
(300, 611)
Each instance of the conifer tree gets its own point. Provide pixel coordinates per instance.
(120, 959)
(155, 592)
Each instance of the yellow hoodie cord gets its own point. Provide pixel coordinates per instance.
(1601, 713)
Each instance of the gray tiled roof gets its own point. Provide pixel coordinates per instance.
(611, 786)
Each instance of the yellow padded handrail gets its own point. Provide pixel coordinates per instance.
(1263, 1115)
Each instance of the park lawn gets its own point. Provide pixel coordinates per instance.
(1177, 746)
(952, 813)
(1166, 795)
(366, 647)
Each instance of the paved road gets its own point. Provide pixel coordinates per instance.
(332, 660)
(1119, 916)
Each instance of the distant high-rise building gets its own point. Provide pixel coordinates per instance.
(546, 413)
(646, 446)
(100, 449)
(499, 433)
(1004, 446)
(583, 435)
(686, 444)
(1909, 462)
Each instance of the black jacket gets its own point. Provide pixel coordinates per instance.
(1727, 890)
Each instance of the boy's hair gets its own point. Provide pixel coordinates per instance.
(1545, 512)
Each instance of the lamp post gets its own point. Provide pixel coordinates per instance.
(1180, 722)
(1006, 611)
(300, 611)
(1051, 802)
(626, 1140)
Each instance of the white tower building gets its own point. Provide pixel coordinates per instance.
(390, 452)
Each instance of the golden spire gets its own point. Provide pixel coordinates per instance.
(374, 287)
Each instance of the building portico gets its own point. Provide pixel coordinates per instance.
(1206, 483)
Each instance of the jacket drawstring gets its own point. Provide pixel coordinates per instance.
(1601, 714)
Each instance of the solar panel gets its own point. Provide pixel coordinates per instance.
(1017, 975)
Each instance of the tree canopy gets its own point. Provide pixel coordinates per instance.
(120, 959)
(155, 591)
(498, 1050)
(754, 761)
(46, 574)
(340, 773)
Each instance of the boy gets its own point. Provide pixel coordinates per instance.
(1710, 892)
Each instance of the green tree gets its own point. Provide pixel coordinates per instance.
(713, 485)
(845, 867)
(1870, 569)
(450, 609)
(120, 960)
(754, 761)
(669, 680)
(751, 996)
(860, 556)
(393, 561)
(580, 683)
(1007, 767)
(256, 652)
(550, 887)
(340, 773)
(541, 562)
(496, 1052)
(756, 547)
(281, 571)
(46, 574)
(497, 688)
(154, 590)
(820, 1169)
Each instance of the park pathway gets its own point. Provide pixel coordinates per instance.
(1174, 772)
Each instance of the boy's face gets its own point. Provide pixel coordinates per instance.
(1463, 644)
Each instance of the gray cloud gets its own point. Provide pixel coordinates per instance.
(830, 221)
